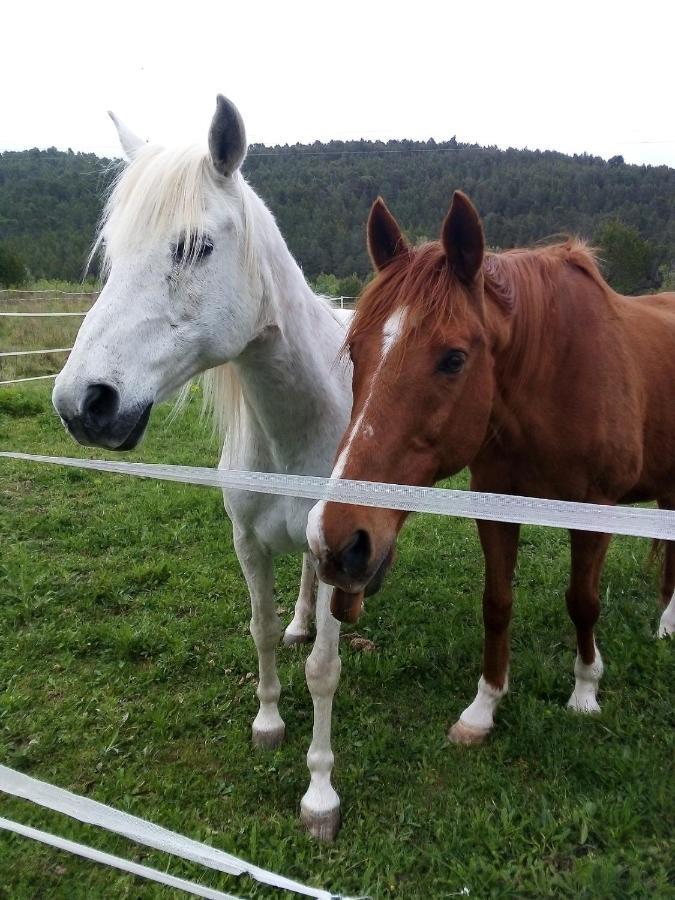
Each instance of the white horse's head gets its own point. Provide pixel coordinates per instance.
(182, 293)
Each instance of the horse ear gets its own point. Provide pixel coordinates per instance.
(462, 238)
(227, 137)
(385, 238)
(130, 142)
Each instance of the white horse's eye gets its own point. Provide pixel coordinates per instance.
(191, 249)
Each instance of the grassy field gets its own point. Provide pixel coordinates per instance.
(126, 674)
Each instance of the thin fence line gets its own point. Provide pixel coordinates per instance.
(50, 292)
(32, 378)
(473, 148)
(40, 315)
(34, 352)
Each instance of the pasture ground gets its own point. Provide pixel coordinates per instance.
(126, 674)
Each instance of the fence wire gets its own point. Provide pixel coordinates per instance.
(13, 295)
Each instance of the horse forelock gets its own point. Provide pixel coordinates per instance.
(418, 280)
(162, 193)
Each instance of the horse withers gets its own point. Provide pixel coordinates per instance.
(199, 278)
(528, 368)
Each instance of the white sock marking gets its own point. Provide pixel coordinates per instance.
(667, 623)
(584, 696)
(480, 714)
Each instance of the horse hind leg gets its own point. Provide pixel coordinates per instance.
(667, 623)
(299, 630)
(588, 551)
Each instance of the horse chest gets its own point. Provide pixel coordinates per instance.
(278, 523)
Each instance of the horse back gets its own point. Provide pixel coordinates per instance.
(596, 420)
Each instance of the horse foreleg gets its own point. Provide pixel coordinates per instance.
(258, 568)
(583, 604)
(300, 629)
(500, 548)
(320, 807)
(667, 623)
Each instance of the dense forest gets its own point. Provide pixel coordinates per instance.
(320, 194)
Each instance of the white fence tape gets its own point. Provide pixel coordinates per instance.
(115, 862)
(637, 521)
(146, 833)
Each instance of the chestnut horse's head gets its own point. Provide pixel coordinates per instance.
(423, 384)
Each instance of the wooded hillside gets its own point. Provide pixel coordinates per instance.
(320, 194)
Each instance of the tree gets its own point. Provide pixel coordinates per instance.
(351, 286)
(667, 277)
(628, 260)
(320, 194)
(12, 269)
(327, 285)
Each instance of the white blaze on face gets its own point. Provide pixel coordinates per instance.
(391, 333)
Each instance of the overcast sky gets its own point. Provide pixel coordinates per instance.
(590, 76)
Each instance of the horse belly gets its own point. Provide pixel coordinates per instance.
(558, 471)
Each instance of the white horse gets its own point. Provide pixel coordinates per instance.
(200, 278)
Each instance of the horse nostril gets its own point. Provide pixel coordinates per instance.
(101, 405)
(355, 555)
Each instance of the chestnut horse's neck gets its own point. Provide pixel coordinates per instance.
(538, 302)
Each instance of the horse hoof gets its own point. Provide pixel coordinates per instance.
(292, 638)
(270, 738)
(323, 826)
(588, 706)
(460, 733)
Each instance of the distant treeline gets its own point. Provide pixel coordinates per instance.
(320, 194)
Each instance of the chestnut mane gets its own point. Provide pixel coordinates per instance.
(522, 284)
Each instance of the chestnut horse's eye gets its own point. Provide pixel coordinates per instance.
(452, 362)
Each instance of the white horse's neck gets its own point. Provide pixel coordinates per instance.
(297, 392)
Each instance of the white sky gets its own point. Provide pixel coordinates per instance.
(590, 76)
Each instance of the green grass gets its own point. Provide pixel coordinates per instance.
(125, 674)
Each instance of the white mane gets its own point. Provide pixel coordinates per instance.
(163, 193)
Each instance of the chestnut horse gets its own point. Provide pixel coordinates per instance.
(528, 368)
